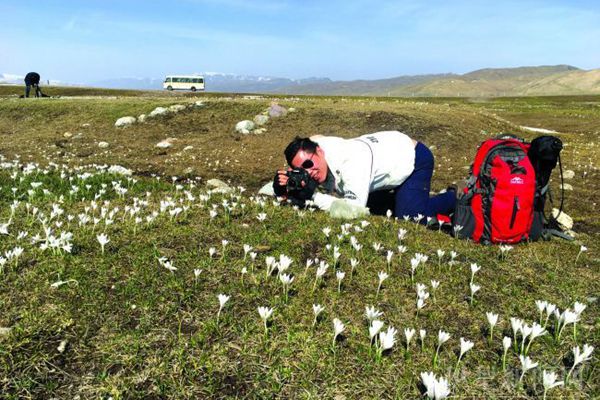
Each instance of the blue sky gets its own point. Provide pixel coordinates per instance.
(89, 40)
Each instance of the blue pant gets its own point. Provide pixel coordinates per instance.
(412, 197)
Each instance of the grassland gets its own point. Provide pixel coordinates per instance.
(121, 325)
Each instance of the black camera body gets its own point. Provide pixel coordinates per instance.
(298, 178)
(299, 188)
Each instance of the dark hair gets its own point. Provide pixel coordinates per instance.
(299, 144)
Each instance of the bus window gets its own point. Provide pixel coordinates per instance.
(168, 80)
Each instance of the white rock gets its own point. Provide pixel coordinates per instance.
(125, 121)
(186, 148)
(176, 108)
(246, 125)
(199, 103)
(566, 186)
(168, 142)
(259, 131)
(291, 109)
(275, 110)
(158, 111)
(261, 119)
(569, 174)
(267, 189)
(142, 118)
(86, 125)
(119, 170)
(218, 186)
(67, 134)
(4, 331)
(564, 220)
(103, 145)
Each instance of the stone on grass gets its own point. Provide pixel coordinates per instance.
(125, 121)
(186, 148)
(564, 220)
(103, 145)
(158, 111)
(142, 118)
(218, 186)
(244, 126)
(86, 125)
(4, 331)
(569, 174)
(275, 110)
(67, 134)
(567, 186)
(267, 189)
(259, 131)
(261, 119)
(119, 170)
(176, 108)
(199, 103)
(165, 144)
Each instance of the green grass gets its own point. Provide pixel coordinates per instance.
(133, 329)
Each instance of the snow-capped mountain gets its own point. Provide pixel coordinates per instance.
(14, 79)
(215, 82)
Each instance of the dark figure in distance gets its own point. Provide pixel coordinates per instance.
(32, 79)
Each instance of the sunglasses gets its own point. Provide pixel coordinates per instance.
(307, 164)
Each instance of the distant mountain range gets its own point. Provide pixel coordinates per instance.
(521, 81)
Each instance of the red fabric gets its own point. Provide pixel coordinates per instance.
(511, 213)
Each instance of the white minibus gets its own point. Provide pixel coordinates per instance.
(184, 82)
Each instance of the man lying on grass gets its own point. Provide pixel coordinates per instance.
(363, 171)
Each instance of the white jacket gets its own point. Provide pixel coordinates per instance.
(376, 161)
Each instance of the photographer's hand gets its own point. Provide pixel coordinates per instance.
(280, 184)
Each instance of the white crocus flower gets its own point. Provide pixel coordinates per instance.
(197, 273)
(580, 357)
(516, 325)
(582, 250)
(536, 331)
(474, 289)
(422, 334)
(408, 334)
(549, 381)
(317, 310)
(339, 275)
(371, 313)
(402, 234)
(338, 328)
(223, 299)
(382, 277)
(103, 240)
(492, 320)
(526, 365)
(506, 342)
(465, 345)
(374, 328)
(353, 265)
(474, 269)
(387, 339)
(443, 337)
(437, 389)
(541, 306)
(247, 249)
(265, 313)
(211, 252)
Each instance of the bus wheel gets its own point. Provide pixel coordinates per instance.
(169, 87)
(193, 89)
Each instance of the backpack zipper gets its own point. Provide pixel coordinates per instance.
(516, 208)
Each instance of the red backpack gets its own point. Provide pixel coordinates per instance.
(498, 202)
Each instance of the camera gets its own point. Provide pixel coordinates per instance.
(298, 179)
